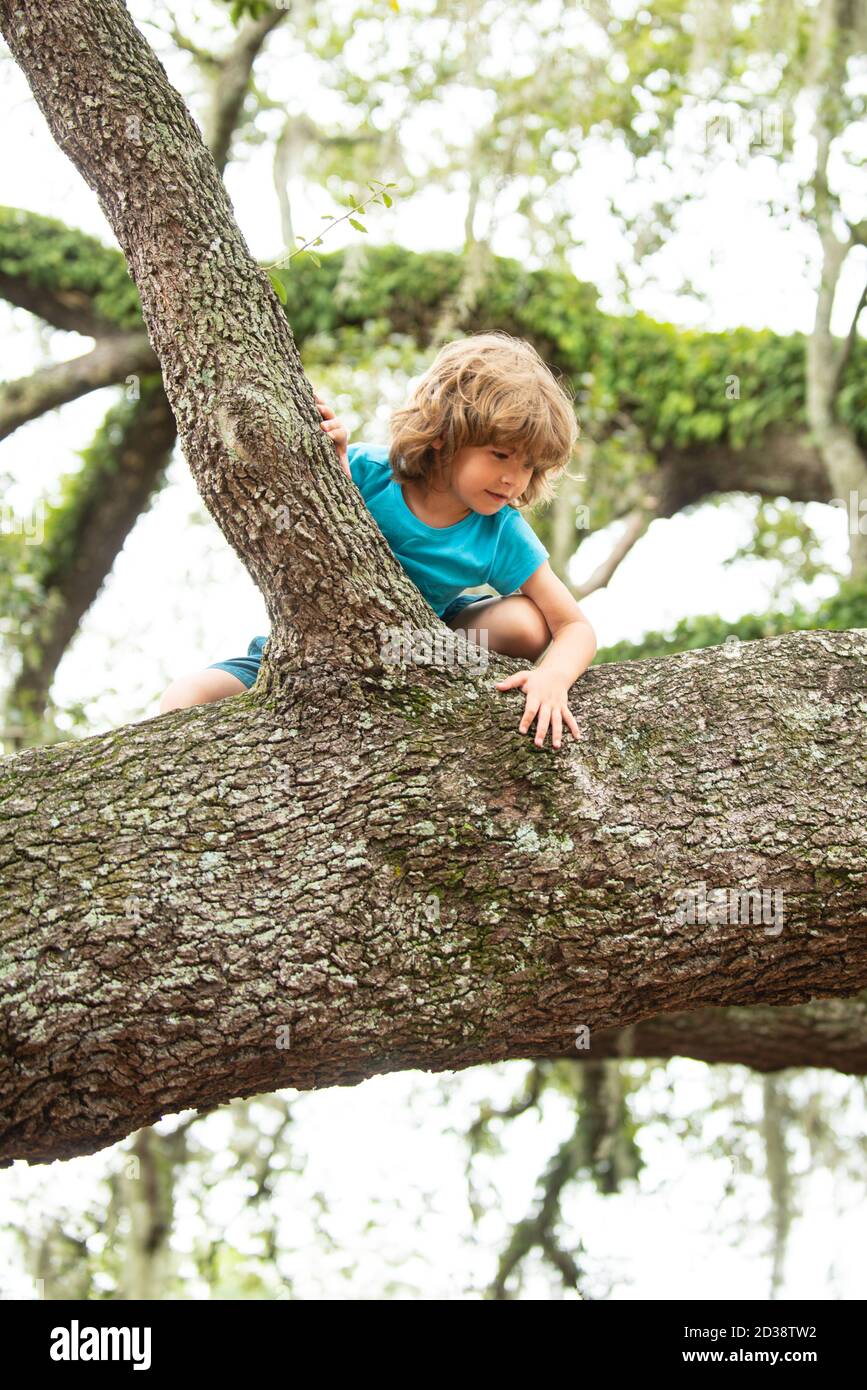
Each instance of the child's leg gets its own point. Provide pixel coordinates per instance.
(515, 626)
(199, 689)
(216, 682)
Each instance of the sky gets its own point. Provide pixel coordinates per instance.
(179, 599)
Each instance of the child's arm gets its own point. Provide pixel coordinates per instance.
(546, 686)
(336, 431)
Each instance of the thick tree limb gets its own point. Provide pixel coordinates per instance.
(120, 473)
(69, 310)
(345, 872)
(65, 277)
(781, 463)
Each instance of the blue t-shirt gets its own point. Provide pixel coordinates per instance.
(501, 550)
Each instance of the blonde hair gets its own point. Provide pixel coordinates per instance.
(490, 388)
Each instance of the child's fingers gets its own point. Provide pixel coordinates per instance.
(556, 727)
(570, 720)
(530, 711)
(511, 681)
(542, 725)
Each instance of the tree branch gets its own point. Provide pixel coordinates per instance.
(124, 465)
(112, 360)
(637, 523)
(851, 337)
(829, 1033)
(122, 468)
(342, 892)
(231, 83)
(64, 276)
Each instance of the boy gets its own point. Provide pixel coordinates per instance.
(486, 431)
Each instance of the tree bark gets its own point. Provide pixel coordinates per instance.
(119, 477)
(375, 871)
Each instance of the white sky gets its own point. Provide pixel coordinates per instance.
(179, 599)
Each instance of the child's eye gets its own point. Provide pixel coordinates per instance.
(500, 455)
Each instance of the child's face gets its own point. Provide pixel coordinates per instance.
(487, 476)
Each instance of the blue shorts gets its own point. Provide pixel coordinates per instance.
(461, 602)
(246, 668)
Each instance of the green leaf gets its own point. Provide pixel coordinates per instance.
(279, 287)
(353, 223)
(386, 200)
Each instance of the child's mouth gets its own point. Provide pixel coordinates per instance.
(500, 497)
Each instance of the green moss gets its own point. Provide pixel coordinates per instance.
(58, 258)
(674, 383)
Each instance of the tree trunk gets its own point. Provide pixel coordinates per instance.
(359, 867)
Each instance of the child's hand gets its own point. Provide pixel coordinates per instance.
(547, 697)
(337, 431)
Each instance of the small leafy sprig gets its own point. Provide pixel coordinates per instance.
(376, 196)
